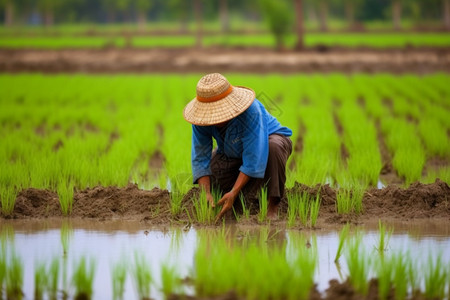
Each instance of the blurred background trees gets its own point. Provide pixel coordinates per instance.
(317, 14)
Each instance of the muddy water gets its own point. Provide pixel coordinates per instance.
(108, 243)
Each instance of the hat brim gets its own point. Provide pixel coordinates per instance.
(213, 113)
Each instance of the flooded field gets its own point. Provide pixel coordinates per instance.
(106, 244)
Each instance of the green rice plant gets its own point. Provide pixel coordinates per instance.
(435, 277)
(40, 281)
(119, 275)
(83, 279)
(8, 197)
(303, 208)
(384, 270)
(343, 234)
(384, 237)
(245, 210)
(358, 263)
(400, 275)
(293, 202)
(170, 281)
(348, 201)
(314, 210)
(142, 275)
(53, 279)
(66, 233)
(14, 278)
(203, 212)
(3, 269)
(176, 198)
(263, 205)
(414, 276)
(65, 194)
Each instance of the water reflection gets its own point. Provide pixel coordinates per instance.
(64, 244)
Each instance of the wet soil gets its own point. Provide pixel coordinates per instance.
(417, 202)
(220, 59)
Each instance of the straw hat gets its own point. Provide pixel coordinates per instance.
(217, 101)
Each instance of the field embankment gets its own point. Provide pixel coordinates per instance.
(418, 201)
(219, 59)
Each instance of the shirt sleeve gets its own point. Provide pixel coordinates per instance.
(201, 152)
(255, 144)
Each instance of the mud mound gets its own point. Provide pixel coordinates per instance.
(110, 202)
(36, 203)
(417, 201)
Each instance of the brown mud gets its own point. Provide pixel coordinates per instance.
(152, 207)
(220, 59)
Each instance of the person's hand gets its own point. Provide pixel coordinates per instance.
(227, 203)
(210, 199)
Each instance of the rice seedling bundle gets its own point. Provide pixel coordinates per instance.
(83, 278)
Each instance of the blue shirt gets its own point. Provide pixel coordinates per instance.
(245, 136)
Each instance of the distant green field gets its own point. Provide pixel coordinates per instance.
(375, 40)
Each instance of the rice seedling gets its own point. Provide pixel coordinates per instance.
(358, 263)
(263, 205)
(170, 281)
(176, 198)
(65, 194)
(293, 200)
(142, 276)
(66, 233)
(343, 234)
(40, 281)
(203, 212)
(53, 279)
(3, 269)
(303, 208)
(384, 237)
(14, 278)
(348, 201)
(400, 275)
(314, 210)
(83, 279)
(245, 210)
(119, 275)
(384, 271)
(8, 199)
(435, 278)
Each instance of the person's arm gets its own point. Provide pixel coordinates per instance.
(205, 184)
(227, 200)
(201, 152)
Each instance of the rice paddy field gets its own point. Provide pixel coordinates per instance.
(70, 41)
(96, 191)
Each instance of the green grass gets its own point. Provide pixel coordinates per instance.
(176, 198)
(83, 278)
(293, 202)
(350, 200)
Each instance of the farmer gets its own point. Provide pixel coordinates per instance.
(252, 146)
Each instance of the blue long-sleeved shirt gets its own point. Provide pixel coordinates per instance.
(245, 136)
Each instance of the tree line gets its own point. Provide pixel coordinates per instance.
(355, 12)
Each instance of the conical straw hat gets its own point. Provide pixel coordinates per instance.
(217, 101)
